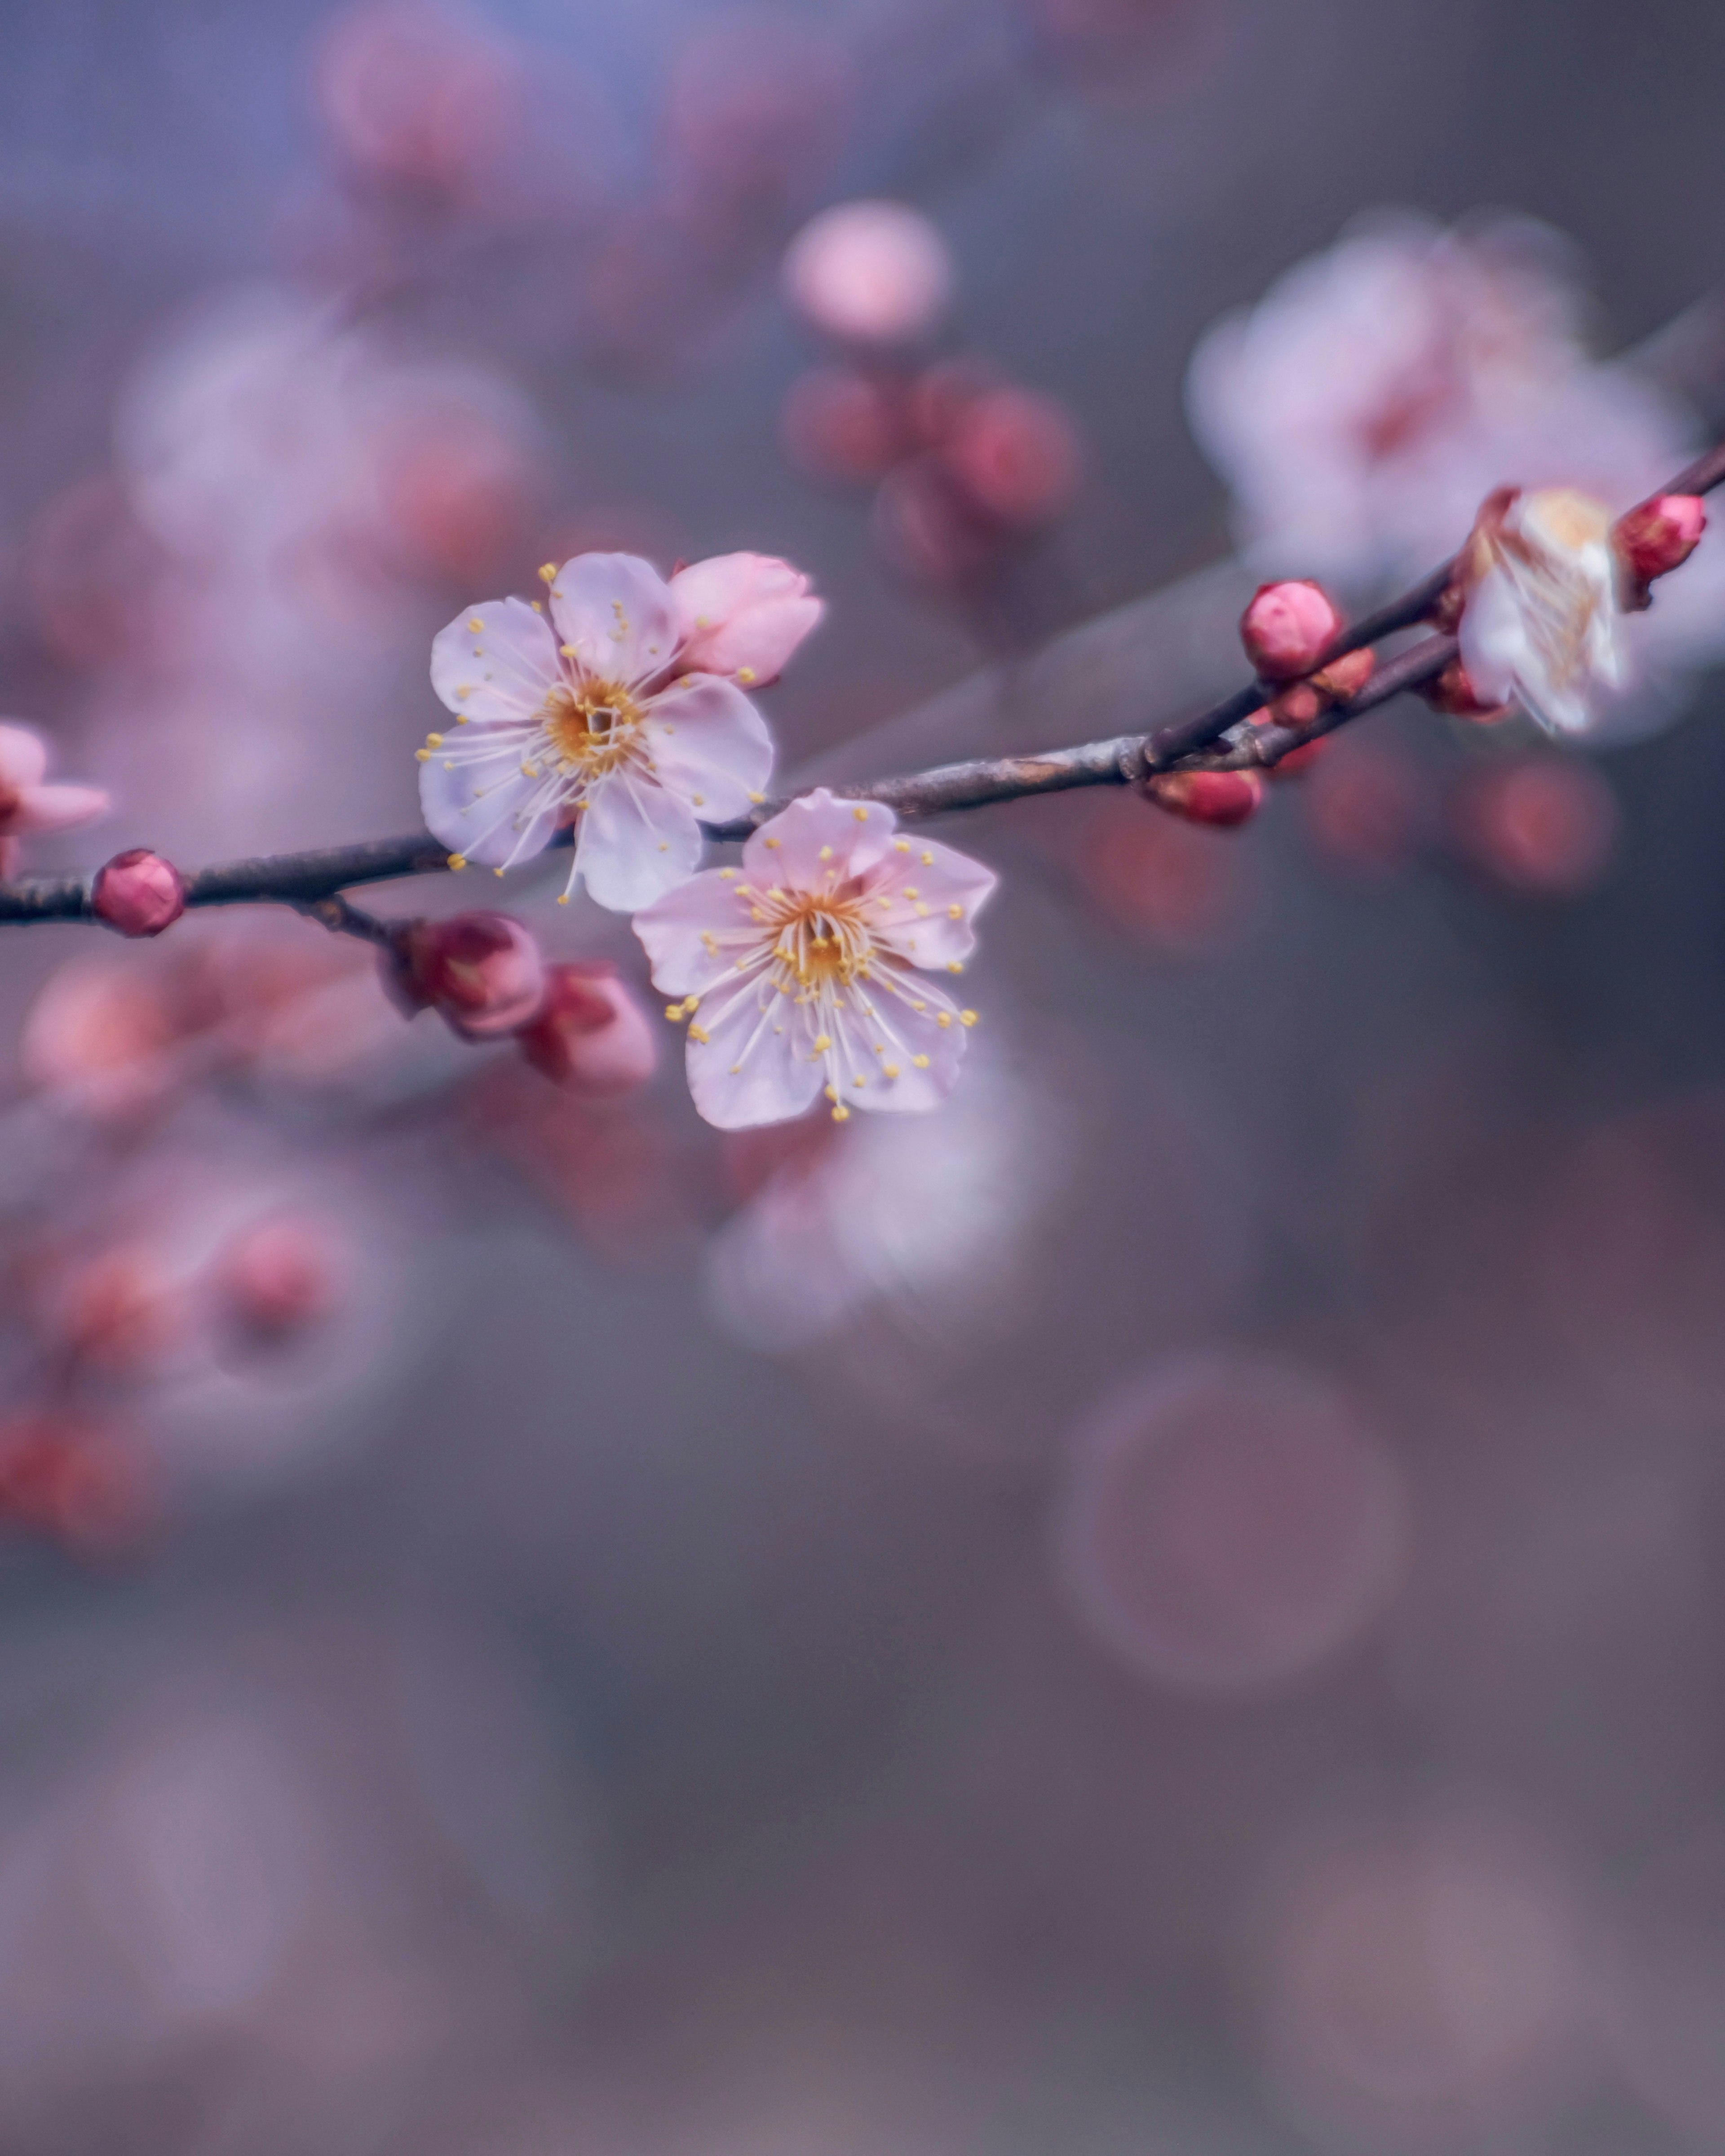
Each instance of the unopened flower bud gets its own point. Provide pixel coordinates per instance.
(481, 972)
(592, 1035)
(1547, 825)
(278, 1280)
(1653, 540)
(1223, 797)
(1453, 692)
(1287, 628)
(138, 893)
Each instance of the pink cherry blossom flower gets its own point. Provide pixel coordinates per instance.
(1540, 624)
(588, 717)
(743, 615)
(805, 966)
(26, 804)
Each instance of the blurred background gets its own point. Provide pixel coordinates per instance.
(1177, 1605)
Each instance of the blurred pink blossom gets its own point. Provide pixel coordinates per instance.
(869, 273)
(592, 1035)
(804, 966)
(29, 804)
(482, 972)
(1546, 826)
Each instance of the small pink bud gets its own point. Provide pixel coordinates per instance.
(1287, 628)
(1222, 798)
(138, 893)
(278, 1280)
(481, 972)
(1655, 539)
(592, 1035)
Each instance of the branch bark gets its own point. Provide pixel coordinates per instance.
(1218, 739)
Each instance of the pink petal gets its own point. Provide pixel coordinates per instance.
(58, 807)
(743, 615)
(711, 745)
(887, 1034)
(498, 660)
(755, 1064)
(912, 896)
(788, 848)
(673, 927)
(24, 755)
(637, 842)
(617, 615)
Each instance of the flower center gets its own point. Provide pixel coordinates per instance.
(824, 942)
(590, 729)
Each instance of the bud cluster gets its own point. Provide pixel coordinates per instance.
(578, 1023)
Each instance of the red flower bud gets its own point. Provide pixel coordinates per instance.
(1453, 692)
(592, 1035)
(1287, 628)
(481, 972)
(138, 893)
(1655, 539)
(1223, 797)
(1547, 825)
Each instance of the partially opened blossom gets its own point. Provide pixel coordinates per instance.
(588, 718)
(482, 972)
(27, 803)
(743, 615)
(1540, 622)
(590, 1035)
(808, 965)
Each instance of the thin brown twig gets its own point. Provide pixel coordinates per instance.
(1219, 739)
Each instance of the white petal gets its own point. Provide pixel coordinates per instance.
(1494, 642)
(695, 934)
(485, 809)
(637, 841)
(616, 613)
(751, 1057)
(498, 660)
(856, 836)
(711, 745)
(885, 1032)
(913, 896)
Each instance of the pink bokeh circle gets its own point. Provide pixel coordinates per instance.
(1228, 1523)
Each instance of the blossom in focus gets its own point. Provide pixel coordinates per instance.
(743, 615)
(27, 803)
(1539, 623)
(870, 272)
(588, 718)
(590, 1034)
(805, 966)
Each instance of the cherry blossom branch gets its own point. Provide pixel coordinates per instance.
(1218, 739)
